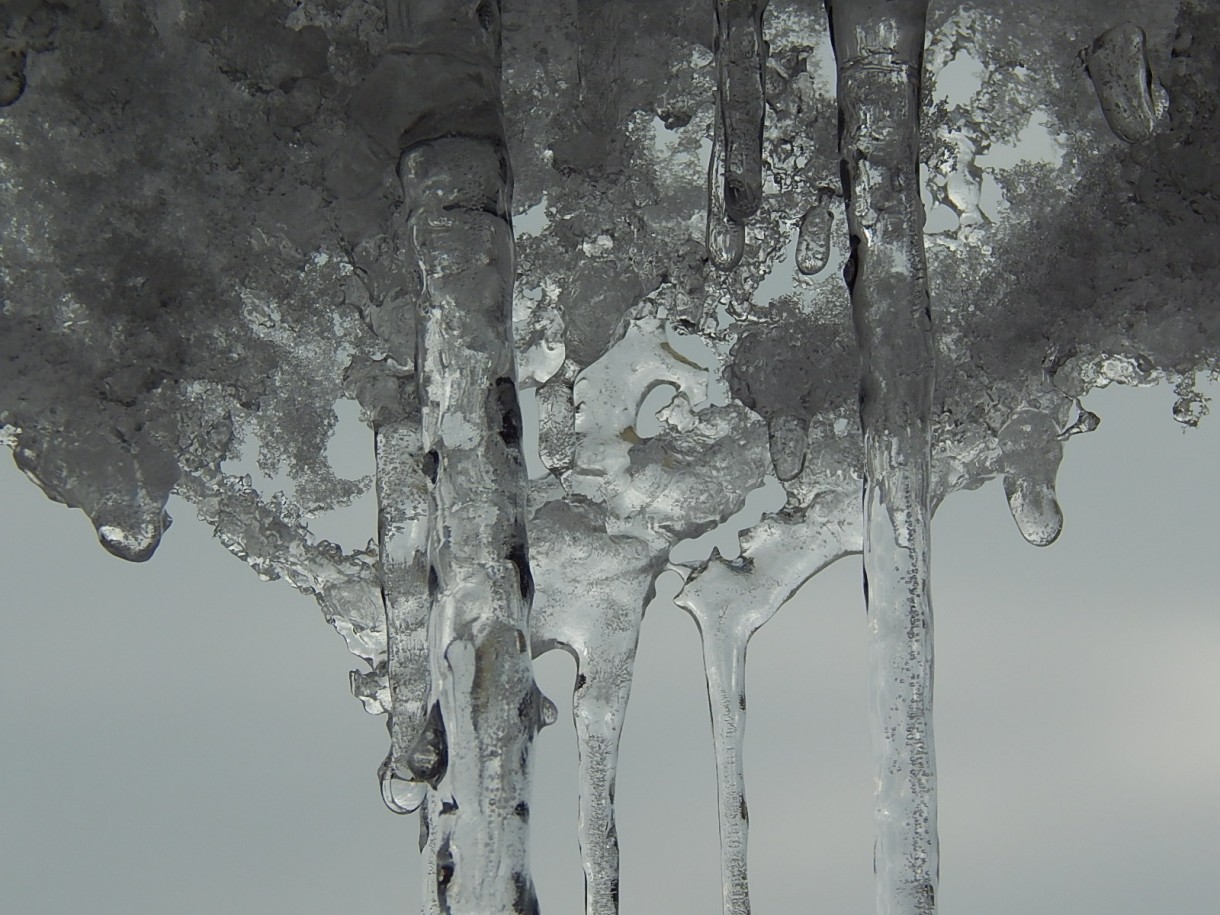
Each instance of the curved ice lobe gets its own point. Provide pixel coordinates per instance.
(790, 369)
(741, 61)
(1132, 99)
(123, 489)
(879, 52)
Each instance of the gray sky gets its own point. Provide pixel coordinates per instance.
(179, 738)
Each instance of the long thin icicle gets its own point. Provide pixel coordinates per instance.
(879, 50)
(485, 708)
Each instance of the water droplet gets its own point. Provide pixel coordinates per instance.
(726, 242)
(813, 239)
(399, 794)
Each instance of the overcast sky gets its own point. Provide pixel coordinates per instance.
(178, 737)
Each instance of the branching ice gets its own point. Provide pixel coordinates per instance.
(218, 220)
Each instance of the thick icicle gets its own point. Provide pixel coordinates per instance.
(879, 50)
(485, 706)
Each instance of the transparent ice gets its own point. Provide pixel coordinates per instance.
(221, 220)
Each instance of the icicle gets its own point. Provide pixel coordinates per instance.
(741, 61)
(401, 523)
(599, 706)
(1131, 98)
(734, 190)
(879, 50)
(729, 602)
(596, 589)
(457, 187)
(813, 236)
(726, 239)
(724, 664)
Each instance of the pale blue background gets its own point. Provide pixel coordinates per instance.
(177, 737)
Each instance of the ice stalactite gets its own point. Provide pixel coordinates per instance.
(725, 237)
(879, 52)
(730, 600)
(597, 588)
(484, 706)
(735, 172)
(603, 528)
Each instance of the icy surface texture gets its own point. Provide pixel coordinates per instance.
(218, 220)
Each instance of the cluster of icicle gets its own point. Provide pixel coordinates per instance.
(443, 314)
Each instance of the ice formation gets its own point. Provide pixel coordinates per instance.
(220, 219)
